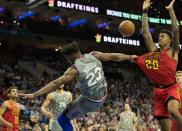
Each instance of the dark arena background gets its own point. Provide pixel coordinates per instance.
(31, 37)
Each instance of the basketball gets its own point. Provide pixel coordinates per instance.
(126, 28)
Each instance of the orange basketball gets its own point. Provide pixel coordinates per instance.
(126, 28)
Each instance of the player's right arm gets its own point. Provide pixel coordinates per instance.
(145, 27)
(113, 56)
(46, 105)
(3, 108)
(69, 75)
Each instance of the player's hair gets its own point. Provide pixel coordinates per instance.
(10, 88)
(167, 32)
(179, 71)
(70, 48)
(8, 91)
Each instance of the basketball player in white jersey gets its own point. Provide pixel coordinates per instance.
(127, 120)
(55, 103)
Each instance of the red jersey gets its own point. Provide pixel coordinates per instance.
(12, 116)
(159, 67)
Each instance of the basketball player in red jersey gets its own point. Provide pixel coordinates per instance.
(160, 65)
(10, 110)
(179, 80)
(175, 126)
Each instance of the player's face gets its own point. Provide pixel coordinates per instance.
(164, 40)
(14, 93)
(127, 107)
(179, 77)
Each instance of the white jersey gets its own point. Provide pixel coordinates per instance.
(126, 120)
(59, 104)
(91, 80)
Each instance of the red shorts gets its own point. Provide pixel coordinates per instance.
(161, 96)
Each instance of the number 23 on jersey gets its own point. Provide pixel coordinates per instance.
(94, 76)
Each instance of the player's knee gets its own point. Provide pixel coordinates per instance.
(173, 107)
(173, 110)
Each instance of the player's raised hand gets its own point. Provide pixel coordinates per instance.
(27, 96)
(170, 6)
(146, 5)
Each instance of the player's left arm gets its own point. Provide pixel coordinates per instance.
(175, 27)
(113, 56)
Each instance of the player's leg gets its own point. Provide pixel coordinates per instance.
(178, 127)
(165, 123)
(71, 112)
(173, 107)
(65, 122)
(160, 108)
(174, 125)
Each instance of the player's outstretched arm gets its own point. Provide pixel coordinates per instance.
(175, 27)
(145, 27)
(113, 56)
(69, 75)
